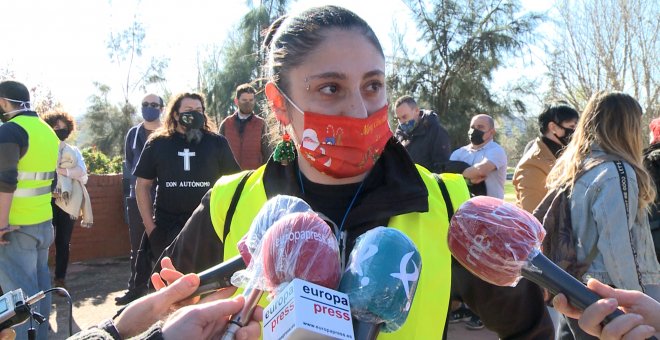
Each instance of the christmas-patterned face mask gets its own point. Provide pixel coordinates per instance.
(340, 146)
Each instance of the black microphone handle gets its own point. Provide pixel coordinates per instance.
(365, 330)
(545, 273)
(219, 276)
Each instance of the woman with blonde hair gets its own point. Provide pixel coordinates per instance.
(609, 199)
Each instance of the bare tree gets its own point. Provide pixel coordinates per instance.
(607, 45)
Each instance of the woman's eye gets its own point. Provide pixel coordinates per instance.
(374, 86)
(329, 89)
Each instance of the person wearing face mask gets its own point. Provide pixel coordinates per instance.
(152, 107)
(70, 197)
(184, 158)
(28, 159)
(556, 124)
(420, 132)
(652, 164)
(326, 78)
(486, 158)
(245, 131)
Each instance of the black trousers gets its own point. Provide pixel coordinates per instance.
(512, 312)
(570, 330)
(63, 224)
(140, 265)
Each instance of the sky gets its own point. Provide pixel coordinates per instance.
(61, 44)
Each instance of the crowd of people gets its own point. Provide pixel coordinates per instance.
(194, 190)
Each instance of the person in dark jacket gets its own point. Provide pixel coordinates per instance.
(652, 164)
(421, 134)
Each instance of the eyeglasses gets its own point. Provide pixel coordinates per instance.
(154, 105)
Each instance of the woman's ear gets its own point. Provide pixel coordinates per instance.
(277, 103)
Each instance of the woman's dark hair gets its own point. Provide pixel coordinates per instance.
(52, 117)
(290, 39)
(557, 112)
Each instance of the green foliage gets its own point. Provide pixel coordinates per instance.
(514, 135)
(467, 41)
(240, 58)
(100, 164)
(106, 124)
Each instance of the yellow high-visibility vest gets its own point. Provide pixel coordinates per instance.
(36, 171)
(427, 230)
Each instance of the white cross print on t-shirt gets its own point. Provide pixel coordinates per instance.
(186, 154)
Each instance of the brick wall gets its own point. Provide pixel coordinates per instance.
(108, 237)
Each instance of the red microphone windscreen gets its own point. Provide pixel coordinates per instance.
(493, 239)
(300, 245)
(244, 250)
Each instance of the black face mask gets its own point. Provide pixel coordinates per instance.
(568, 133)
(476, 136)
(62, 134)
(191, 120)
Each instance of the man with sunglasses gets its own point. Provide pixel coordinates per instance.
(151, 107)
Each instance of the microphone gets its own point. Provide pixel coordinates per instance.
(500, 243)
(219, 276)
(380, 280)
(298, 245)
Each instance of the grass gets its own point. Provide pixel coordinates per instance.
(509, 192)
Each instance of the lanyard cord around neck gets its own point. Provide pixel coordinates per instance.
(350, 206)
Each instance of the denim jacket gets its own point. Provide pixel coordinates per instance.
(598, 214)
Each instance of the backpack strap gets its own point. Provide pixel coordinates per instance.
(445, 196)
(234, 203)
(623, 182)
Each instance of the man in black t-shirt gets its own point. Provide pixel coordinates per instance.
(185, 158)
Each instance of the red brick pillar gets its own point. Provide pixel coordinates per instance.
(108, 237)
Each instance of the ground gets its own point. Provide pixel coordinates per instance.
(95, 284)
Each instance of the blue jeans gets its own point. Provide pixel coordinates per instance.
(24, 264)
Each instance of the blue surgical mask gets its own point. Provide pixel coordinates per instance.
(408, 126)
(150, 114)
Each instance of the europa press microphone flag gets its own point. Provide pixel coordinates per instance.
(219, 276)
(298, 245)
(380, 280)
(499, 243)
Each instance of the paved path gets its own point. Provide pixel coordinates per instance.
(95, 284)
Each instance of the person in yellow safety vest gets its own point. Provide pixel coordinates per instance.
(28, 158)
(326, 87)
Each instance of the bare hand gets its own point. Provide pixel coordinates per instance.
(140, 314)
(643, 313)
(7, 334)
(209, 320)
(4, 232)
(168, 274)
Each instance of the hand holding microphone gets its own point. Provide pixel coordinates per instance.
(219, 276)
(298, 245)
(500, 243)
(380, 280)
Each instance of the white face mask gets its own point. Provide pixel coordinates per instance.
(25, 106)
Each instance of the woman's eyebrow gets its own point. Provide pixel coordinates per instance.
(342, 76)
(329, 75)
(374, 73)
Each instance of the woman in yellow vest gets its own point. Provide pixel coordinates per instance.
(326, 89)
